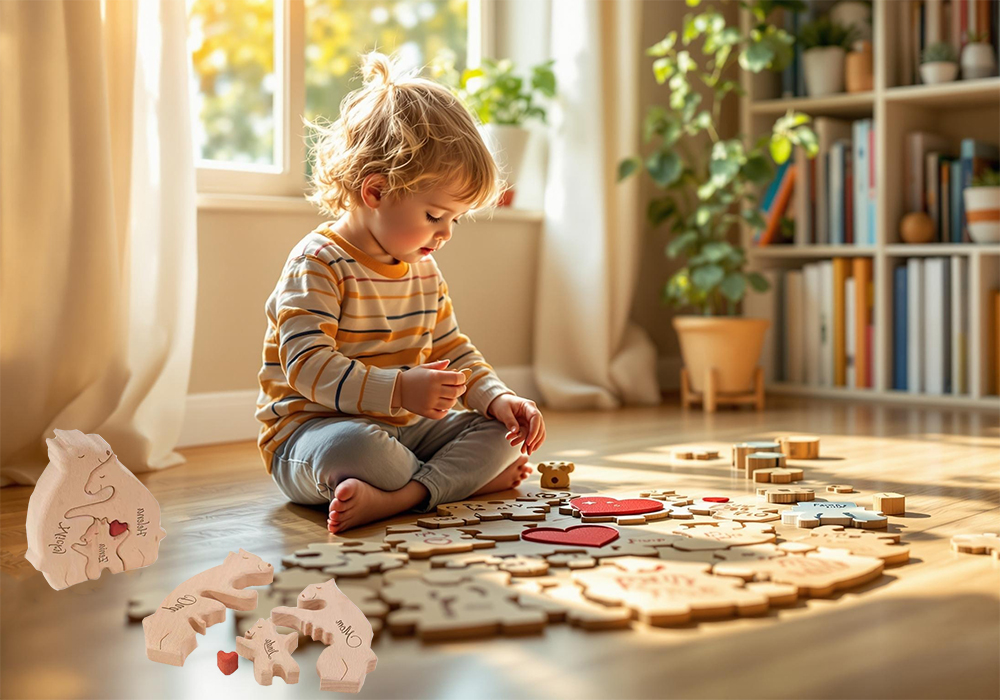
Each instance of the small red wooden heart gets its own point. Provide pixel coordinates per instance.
(582, 535)
(602, 505)
(116, 528)
(715, 499)
(228, 661)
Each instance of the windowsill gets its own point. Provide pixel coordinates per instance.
(299, 205)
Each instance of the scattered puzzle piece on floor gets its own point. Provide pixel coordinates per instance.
(889, 503)
(818, 574)
(346, 559)
(741, 513)
(668, 496)
(986, 543)
(562, 600)
(800, 447)
(785, 475)
(227, 661)
(701, 453)
(555, 475)
(840, 488)
(763, 460)
(270, 652)
(551, 498)
(863, 543)
(578, 535)
(628, 511)
(421, 543)
(742, 449)
(517, 565)
(819, 513)
(723, 535)
(786, 494)
(473, 512)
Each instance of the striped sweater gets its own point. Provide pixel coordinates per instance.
(342, 326)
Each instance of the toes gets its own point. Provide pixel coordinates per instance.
(339, 506)
(346, 489)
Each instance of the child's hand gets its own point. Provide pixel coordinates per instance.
(430, 391)
(522, 418)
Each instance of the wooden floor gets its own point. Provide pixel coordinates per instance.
(928, 629)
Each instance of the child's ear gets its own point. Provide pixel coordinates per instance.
(371, 190)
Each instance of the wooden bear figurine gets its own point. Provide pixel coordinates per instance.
(201, 602)
(555, 475)
(329, 616)
(270, 652)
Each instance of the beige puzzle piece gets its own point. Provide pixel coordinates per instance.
(817, 574)
(84, 482)
(368, 602)
(985, 543)
(786, 494)
(664, 593)
(675, 507)
(201, 602)
(800, 447)
(840, 488)
(517, 565)
(667, 496)
(421, 543)
(270, 652)
(741, 513)
(780, 475)
(723, 535)
(551, 498)
(473, 512)
(862, 543)
(267, 600)
(742, 553)
(320, 555)
(889, 503)
(326, 614)
(564, 602)
(101, 549)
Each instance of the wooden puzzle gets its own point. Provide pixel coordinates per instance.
(474, 512)
(986, 543)
(668, 496)
(517, 565)
(722, 536)
(889, 503)
(741, 513)
(800, 447)
(555, 475)
(627, 511)
(763, 460)
(741, 450)
(817, 574)
(786, 494)
(326, 614)
(551, 498)
(227, 661)
(346, 559)
(700, 453)
(785, 475)
(563, 601)
(664, 593)
(270, 652)
(201, 602)
(819, 513)
(863, 543)
(578, 535)
(89, 513)
(840, 488)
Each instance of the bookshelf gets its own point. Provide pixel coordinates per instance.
(957, 110)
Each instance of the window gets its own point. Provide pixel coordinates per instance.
(259, 66)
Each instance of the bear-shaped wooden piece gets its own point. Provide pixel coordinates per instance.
(326, 614)
(83, 484)
(201, 602)
(555, 475)
(270, 652)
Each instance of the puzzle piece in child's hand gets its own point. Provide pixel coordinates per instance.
(723, 535)
(666, 593)
(833, 513)
(739, 512)
(987, 542)
(201, 602)
(421, 543)
(270, 652)
(320, 555)
(777, 475)
(457, 606)
(786, 494)
(863, 543)
(562, 600)
(329, 616)
(817, 574)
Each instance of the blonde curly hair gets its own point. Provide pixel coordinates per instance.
(413, 131)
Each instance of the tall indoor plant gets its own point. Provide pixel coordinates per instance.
(706, 191)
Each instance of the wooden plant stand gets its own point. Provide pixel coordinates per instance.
(711, 398)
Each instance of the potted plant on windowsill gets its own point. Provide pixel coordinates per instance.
(504, 102)
(824, 50)
(703, 190)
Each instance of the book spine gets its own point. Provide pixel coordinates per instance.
(915, 324)
(900, 333)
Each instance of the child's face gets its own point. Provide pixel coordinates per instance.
(411, 227)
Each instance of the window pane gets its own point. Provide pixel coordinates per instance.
(232, 52)
(339, 31)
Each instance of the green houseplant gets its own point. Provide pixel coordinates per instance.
(938, 63)
(824, 48)
(978, 59)
(504, 102)
(704, 192)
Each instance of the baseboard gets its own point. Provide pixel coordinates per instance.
(228, 416)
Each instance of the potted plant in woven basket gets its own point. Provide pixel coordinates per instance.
(706, 192)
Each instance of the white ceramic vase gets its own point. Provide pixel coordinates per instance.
(508, 145)
(982, 213)
(824, 66)
(978, 61)
(938, 72)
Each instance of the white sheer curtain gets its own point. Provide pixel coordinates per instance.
(588, 354)
(97, 228)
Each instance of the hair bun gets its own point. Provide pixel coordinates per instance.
(377, 69)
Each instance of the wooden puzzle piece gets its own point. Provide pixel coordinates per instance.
(986, 543)
(801, 446)
(563, 601)
(326, 614)
(227, 662)
(267, 600)
(84, 482)
(473, 512)
(741, 553)
(578, 535)
(723, 535)
(763, 460)
(664, 593)
(786, 494)
(863, 543)
(840, 488)
(370, 605)
(201, 602)
(100, 548)
(421, 543)
(785, 475)
(552, 498)
(742, 449)
(471, 605)
(628, 511)
(270, 652)
(819, 513)
(889, 503)
(701, 453)
(517, 565)
(143, 604)
(818, 574)
(555, 475)
(741, 513)
(320, 555)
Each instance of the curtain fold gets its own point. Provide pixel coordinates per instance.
(97, 228)
(588, 353)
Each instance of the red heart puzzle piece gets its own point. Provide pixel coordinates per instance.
(116, 528)
(603, 505)
(715, 499)
(582, 535)
(228, 661)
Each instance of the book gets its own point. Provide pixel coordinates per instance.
(918, 145)
(802, 203)
(850, 342)
(915, 325)
(995, 345)
(778, 207)
(841, 272)
(872, 203)
(955, 181)
(944, 233)
(826, 322)
(900, 332)
(864, 297)
(975, 157)
(812, 303)
(772, 189)
(795, 325)
(932, 174)
(937, 330)
(959, 324)
(836, 182)
(828, 131)
(861, 188)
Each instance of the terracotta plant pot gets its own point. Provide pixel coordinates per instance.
(858, 68)
(729, 345)
(982, 213)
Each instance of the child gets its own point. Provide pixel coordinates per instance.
(362, 351)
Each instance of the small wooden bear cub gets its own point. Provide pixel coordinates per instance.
(555, 475)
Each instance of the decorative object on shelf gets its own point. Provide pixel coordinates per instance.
(859, 72)
(978, 60)
(824, 46)
(720, 354)
(917, 227)
(938, 64)
(856, 14)
(982, 207)
(504, 102)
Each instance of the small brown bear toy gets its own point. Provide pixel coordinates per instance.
(555, 475)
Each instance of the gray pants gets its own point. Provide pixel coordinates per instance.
(452, 457)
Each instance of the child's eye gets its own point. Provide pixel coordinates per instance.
(433, 219)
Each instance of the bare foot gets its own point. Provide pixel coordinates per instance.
(356, 503)
(509, 478)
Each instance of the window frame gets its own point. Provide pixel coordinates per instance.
(287, 178)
